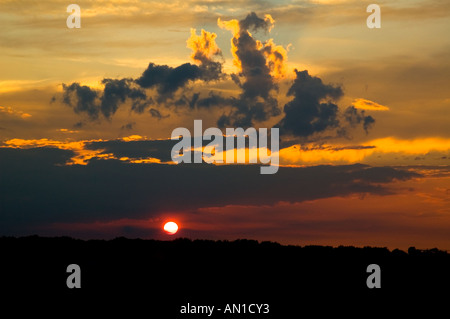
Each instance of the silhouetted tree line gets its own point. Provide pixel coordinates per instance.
(160, 276)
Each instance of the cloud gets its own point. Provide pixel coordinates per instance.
(212, 100)
(117, 91)
(364, 104)
(166, 80)
(412, 146)
(355, 117)
(84, 99)
(135, 149)
(38, 190)
(258, 64)
(276, 56)
(306, 114)
(368, 122)
(204, 46)
(11, 112)
(155, 113)
(205, 50)
(67, 131)
(380, 151)
(313, 109)
(129, 126)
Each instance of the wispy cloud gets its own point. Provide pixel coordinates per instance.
(364, 104)
(10, 111)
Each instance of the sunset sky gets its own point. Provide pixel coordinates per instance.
(86, 116)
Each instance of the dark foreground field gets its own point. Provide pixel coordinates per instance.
(155, 279)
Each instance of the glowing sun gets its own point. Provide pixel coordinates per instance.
(170, 228)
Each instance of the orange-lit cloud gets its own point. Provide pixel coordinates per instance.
(132, 138)
(82, 156)
(233, 26)
(327, 153)
(307, 154)
(149, 160)
(364, 104)
(271, 21)
(43, 142)
(11, 111)
(324, 154)
(204, 46)
(65, 130)
(276, 55)
(82, 153)
(414, 146)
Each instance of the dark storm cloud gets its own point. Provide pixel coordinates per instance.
(160, 149)
(306, 114)
(37, 190)
(84, 99)
(117, 91)
(312, 110)
(192, 101)
(253, 22)
(128, 126)
(157, 114)
(187, 101)
(165, 79)
(162, 81)
(34, 157)
(79, 124)
(212, 100)
(211, 70)
(256, 102)
(142, 149)
(354, 117)
(368, 122)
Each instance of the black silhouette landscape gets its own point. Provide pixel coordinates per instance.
(160, 277)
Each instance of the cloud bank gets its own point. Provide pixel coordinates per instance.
(38, 189)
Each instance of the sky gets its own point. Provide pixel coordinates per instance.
(86, 116)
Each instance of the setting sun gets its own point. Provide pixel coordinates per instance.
(171, 228)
